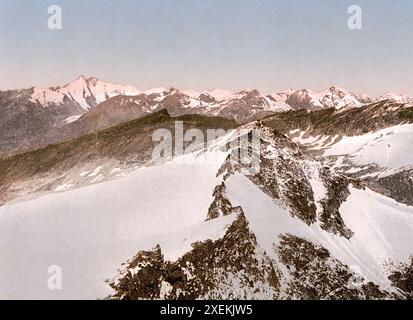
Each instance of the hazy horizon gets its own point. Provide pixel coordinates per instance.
(191, 44)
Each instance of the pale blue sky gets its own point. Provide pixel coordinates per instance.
(266, 44)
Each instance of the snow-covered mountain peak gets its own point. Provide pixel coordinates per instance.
(335, 88)
(332, 97)
(249, 92)
(82, 82)
(282, 96)
(156, 90)
(395, 97)
(220, 94)
(85, 92)
(192, 93)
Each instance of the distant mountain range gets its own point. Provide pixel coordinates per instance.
(89, 92)
(33, 117)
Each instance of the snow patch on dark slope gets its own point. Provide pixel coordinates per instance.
(371, 143)
(381, 158)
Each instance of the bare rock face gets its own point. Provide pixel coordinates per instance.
(398, 186)
(23, 123)
(347, 122)
(337, 193)
(209, 271)
(302, 100)
(246, 107)
(316, 275)
(234, 267)
(206, 98)
(402, 278)
(142, 280)
(286, 175)
(109, 113)
(221, 206)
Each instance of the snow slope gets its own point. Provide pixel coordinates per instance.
(390, 147)
(90, 231)
(222, 94)
(72, 119)
(383, 228)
